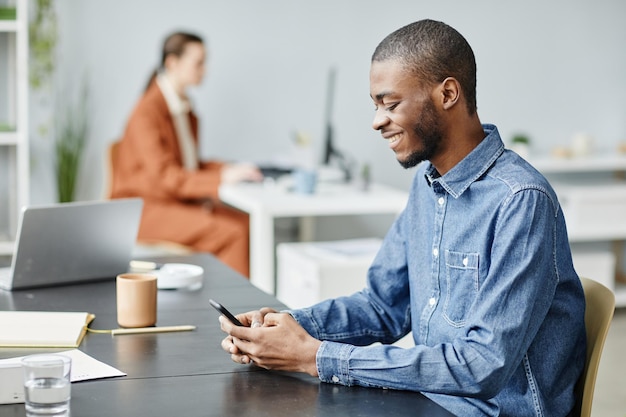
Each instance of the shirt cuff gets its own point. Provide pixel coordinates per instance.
(332, 361)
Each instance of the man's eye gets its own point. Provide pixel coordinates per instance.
(388, 107)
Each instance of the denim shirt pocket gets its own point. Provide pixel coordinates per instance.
(461, 286)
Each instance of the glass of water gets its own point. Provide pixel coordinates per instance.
(47, 385)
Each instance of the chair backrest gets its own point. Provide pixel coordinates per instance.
(598, 315)
(150, 247)
(112, 160)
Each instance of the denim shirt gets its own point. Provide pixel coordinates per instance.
(478, 266)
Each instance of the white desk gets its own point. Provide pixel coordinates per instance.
(264, 203)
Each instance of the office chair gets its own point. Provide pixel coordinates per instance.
(144, 247)
(112, 152)
(598, 315)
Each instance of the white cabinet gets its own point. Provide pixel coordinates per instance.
(592, 192)
(14, 159)
(310, 272)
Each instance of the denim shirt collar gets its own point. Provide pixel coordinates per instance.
(470, 168)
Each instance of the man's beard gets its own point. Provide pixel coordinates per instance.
(428, 130)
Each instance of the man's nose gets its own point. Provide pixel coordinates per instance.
(380, 120)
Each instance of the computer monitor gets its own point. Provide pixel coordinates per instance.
(330, 152)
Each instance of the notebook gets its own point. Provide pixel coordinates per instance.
(43, 328)
(72, 242)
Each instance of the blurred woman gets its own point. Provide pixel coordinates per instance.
(157, 159)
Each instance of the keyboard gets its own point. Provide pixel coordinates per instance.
(274, 171)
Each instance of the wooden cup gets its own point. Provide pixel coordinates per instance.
(136, 300)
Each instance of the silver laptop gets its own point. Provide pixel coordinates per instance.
(72, 242)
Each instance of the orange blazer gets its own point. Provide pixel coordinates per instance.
(149, 162)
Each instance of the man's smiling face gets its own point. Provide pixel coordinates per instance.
(405, 113)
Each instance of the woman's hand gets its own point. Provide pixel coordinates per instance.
(234, 173)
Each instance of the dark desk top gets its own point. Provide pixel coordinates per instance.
(187, 373)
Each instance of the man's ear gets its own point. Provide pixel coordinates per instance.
(450, 90)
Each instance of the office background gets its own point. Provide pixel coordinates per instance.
(546, 69)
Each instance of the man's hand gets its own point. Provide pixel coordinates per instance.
(272, 341)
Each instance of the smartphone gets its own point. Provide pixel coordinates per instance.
(225, 312)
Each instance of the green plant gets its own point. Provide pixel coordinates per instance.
(521, 139)
(42, 36)
(69, 144)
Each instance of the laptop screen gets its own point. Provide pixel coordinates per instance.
(73, 242)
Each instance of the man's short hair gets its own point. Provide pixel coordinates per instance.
(433, 51)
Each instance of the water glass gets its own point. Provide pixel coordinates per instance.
(47, 385)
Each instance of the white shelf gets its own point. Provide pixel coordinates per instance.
(601, 162)
(6, 247)
(9, 138)
(594, 208)
(15, 172)
(8, 26)
(582, 235)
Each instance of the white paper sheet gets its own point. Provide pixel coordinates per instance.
(84, 367)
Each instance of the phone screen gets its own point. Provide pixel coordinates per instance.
(225, 312)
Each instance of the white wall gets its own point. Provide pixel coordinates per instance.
(549, 69)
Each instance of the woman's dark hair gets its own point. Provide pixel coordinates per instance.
(433, 51)
(174, 44)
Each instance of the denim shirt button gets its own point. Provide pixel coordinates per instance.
(435, 252)
(335, 379)
(432, 301)
(441, 201)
